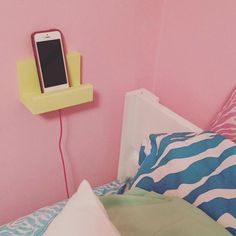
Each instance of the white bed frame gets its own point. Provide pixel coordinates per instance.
(144, 114)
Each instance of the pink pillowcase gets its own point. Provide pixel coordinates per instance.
(225, 121)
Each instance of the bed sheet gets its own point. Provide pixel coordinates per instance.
(141, 213)
(36, 223)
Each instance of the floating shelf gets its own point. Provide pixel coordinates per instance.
(37, 102)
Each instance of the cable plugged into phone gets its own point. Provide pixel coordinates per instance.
(62, 156)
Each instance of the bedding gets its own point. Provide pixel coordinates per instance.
(200, 168)
(37, 222)
(83, 214)
(225, 121)
(142, 213)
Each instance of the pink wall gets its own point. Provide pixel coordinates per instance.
(196, 57)
(116, 39)
(190, 64)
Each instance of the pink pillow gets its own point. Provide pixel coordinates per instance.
(225, 121)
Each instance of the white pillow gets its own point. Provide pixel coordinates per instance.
(83, 215)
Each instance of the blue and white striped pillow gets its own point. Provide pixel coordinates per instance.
(200, 168)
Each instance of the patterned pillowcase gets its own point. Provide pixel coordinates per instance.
(200, 168)
(225, 121)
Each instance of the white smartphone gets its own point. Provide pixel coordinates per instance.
(50, 59)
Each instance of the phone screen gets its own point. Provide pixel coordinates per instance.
(52, 63)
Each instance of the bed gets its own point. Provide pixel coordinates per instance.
(143, 115)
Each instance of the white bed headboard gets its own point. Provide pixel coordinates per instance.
(143, 114)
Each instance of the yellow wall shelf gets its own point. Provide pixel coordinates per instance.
(37, 102)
